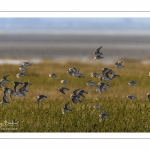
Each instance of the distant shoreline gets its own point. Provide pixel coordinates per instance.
(78, 32)
(74, 45)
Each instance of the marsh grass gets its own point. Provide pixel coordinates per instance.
(123, 115)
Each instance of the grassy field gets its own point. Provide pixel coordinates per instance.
(124, 115)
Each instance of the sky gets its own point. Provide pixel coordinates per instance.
(16, 24)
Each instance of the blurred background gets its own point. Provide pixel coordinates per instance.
(73, 38)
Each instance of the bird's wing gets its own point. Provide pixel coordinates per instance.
(98, 50)
(66, 105)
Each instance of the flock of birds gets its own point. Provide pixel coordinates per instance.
(107, 74)
(15, 91)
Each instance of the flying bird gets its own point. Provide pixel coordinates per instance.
(132, 82)
(4, 102)
(102, 116)
(131, 97)
(98, 51)
(26, 64)
(22, 68)
(148, 96)
(53, 75)
(40, 97)
(65, 108)
(64, 81)
(119, 65)
(63, 89)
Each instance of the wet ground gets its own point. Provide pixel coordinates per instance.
(74, 45)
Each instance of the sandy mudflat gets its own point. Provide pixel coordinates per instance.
(73, 45)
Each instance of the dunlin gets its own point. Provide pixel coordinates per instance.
(65, 108)
(131, 97)
(119, 65)
(64, 81)
(5, 102)
(53, 75)
(26, 64)
(40, 97)
(132, 82)
(63, 89)
(102, 116)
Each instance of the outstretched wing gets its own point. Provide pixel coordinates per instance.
(98, 50)
(66, 105)
(5, 77)
(75, 91)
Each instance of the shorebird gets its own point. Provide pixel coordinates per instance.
(53, 75)
(102, 116)
(90, 83)
(20, 93)
(74, 70)
(63, 89)
(21, 74)
(148, 96)
(104, 70)
(5, 102)
(64, 81)
(77, 74)
(75, 94)
(2, 84)
(97, 106)
(104, 85)
(6, 90)
(75, 99)
(26, 64)
(119, 65)
(40, 97)
(81, 93)
(11, 93)
(98, 52)
(114, 76)
(100, 90)
(22, 68)
(4, 80)
(132, 82)
(94, 74)
(26, 84)
(65, 108)
(69, 72)
(104, 78)
(131, 97)
(16, 84)
(98, 57)
(24, 88)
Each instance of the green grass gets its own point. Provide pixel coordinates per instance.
(123, 115)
